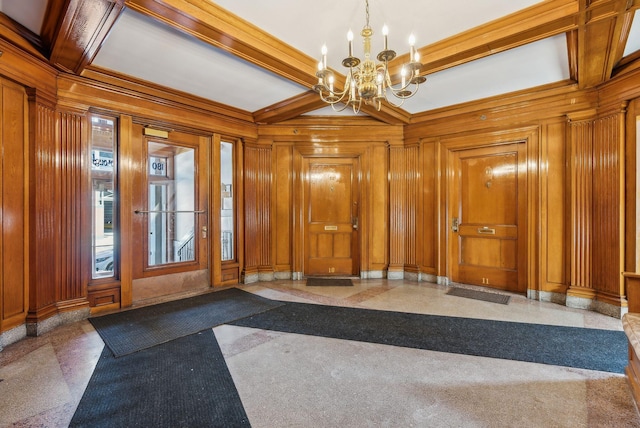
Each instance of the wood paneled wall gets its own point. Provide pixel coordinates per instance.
(257, 210)
(14, 242)
(597, 205)
(577, 202)
(581, 169)
(73, 134)
(381, 187)
(608, 205)
(44, 224)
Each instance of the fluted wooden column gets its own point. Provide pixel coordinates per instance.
(581, 142)
(412, 185)
(44, 221)
(608, 206)
(257, 212)
(597, 206)
(397, 211)
(72, 292)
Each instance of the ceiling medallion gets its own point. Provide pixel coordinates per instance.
(368, 80)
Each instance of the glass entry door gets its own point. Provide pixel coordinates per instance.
(170, 222)
(172, 215)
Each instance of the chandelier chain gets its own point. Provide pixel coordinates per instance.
(367, 12)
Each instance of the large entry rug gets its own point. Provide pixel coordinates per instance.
(584, 348)
(182, 383)
(130, 331)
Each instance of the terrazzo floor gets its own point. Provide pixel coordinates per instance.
(292, 380)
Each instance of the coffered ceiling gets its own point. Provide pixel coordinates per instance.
(260, 56)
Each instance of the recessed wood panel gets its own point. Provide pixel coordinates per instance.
(13, 286)
(491, 189)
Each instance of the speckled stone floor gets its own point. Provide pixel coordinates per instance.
(292, 380)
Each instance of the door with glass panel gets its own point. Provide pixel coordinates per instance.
(170, 219)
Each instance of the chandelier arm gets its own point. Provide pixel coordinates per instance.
(338, 110)
(339, 96)
(396, 90)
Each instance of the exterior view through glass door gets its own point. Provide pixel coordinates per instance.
(172, 217)
(170, 224)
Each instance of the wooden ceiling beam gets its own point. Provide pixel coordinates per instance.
(74, 30)
(602, 26)
(216, 26)
(289, 108)
(540, 21)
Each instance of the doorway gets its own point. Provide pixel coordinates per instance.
(170, 221)
(487, 216)
(331, 213)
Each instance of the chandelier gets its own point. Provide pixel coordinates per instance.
(368, 80)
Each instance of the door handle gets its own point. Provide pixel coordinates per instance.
(454, 224)
(354, 223)
(204, 232)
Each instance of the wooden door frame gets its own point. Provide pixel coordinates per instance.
(445, 147)
(302, 152)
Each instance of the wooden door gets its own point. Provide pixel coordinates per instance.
(487, 216)
(331, 216)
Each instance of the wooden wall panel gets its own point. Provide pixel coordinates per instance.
(608, 206)
(44, 221)
(257, 198)
(553, 209)
(581, 141)
(397, 208)
(428, 207)
(283, 202)
(412, 180)
(72, 135)
(13, 210)
(374, 165)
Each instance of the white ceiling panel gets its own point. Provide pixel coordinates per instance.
(308, 24)
(633, 41)
(529, 66)
(143, 48)
(29, 13)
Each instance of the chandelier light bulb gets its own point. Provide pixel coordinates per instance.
(350, 39)
(324, 56)
(385, 33)
(412, 44)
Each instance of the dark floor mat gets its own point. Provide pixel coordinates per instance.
(479, 295)
(137, 329)
(182, 383)
(584, 348)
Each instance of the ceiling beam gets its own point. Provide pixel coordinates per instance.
(74, 30)
(542, 20)
(602, 25)
(216, 26)
(289, 108)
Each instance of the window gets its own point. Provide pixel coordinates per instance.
(103, 209)
(226, 204)
(172, 198)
